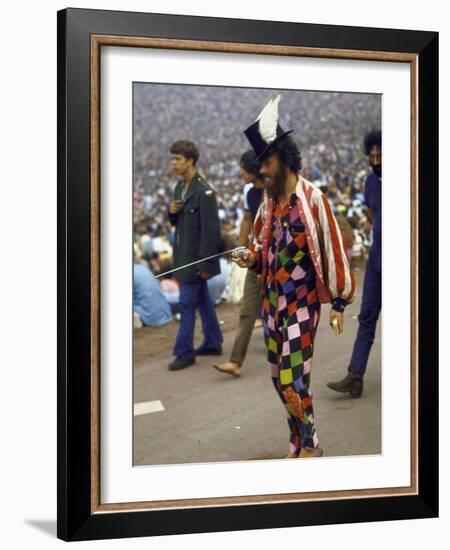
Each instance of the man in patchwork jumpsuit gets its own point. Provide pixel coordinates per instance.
(298, 251)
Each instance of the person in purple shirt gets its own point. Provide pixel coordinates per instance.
(251, 300)
(352, 383)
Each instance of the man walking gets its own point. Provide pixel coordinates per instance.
(352, 383)
(299, 252)
(194, 214)
(251, 300)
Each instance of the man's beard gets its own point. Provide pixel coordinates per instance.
(377, 169)
(278, 185)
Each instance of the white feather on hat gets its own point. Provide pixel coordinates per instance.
(268, 120)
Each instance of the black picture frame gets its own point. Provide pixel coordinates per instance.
(78, 518)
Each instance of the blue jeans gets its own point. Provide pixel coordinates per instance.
(195, 296)
(368, 317)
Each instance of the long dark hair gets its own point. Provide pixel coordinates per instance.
(287, 151)
(372, 138)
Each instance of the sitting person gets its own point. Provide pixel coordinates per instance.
(169, 285)
(148, 300)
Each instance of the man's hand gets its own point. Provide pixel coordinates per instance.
(339, 318)
(247, 259)
(175, 206)
(203, 274)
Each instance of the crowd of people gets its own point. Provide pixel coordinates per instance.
(328, 127)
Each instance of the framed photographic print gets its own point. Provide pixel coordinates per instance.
(170, 422)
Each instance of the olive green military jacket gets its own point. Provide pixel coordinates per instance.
(197, 230)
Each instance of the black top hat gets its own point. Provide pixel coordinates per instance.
(265, 132)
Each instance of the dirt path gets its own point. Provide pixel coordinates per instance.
(150, 341)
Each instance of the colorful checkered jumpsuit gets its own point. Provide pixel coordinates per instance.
(290, 313)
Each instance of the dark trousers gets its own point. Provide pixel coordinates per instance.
(368, 317)
(195, 296)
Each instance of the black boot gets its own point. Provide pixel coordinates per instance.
(352, 383)
(181, 363)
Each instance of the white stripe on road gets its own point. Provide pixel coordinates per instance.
(148, 407)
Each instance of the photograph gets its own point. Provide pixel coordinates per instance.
(204, 176)
(236, 292)
(234, 230)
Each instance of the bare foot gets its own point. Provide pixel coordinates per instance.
(291, 455)
(229, 368)
(307, 452)
(258, 323)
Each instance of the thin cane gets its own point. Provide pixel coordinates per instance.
(238, 249)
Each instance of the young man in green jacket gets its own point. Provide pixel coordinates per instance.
(194, 214)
